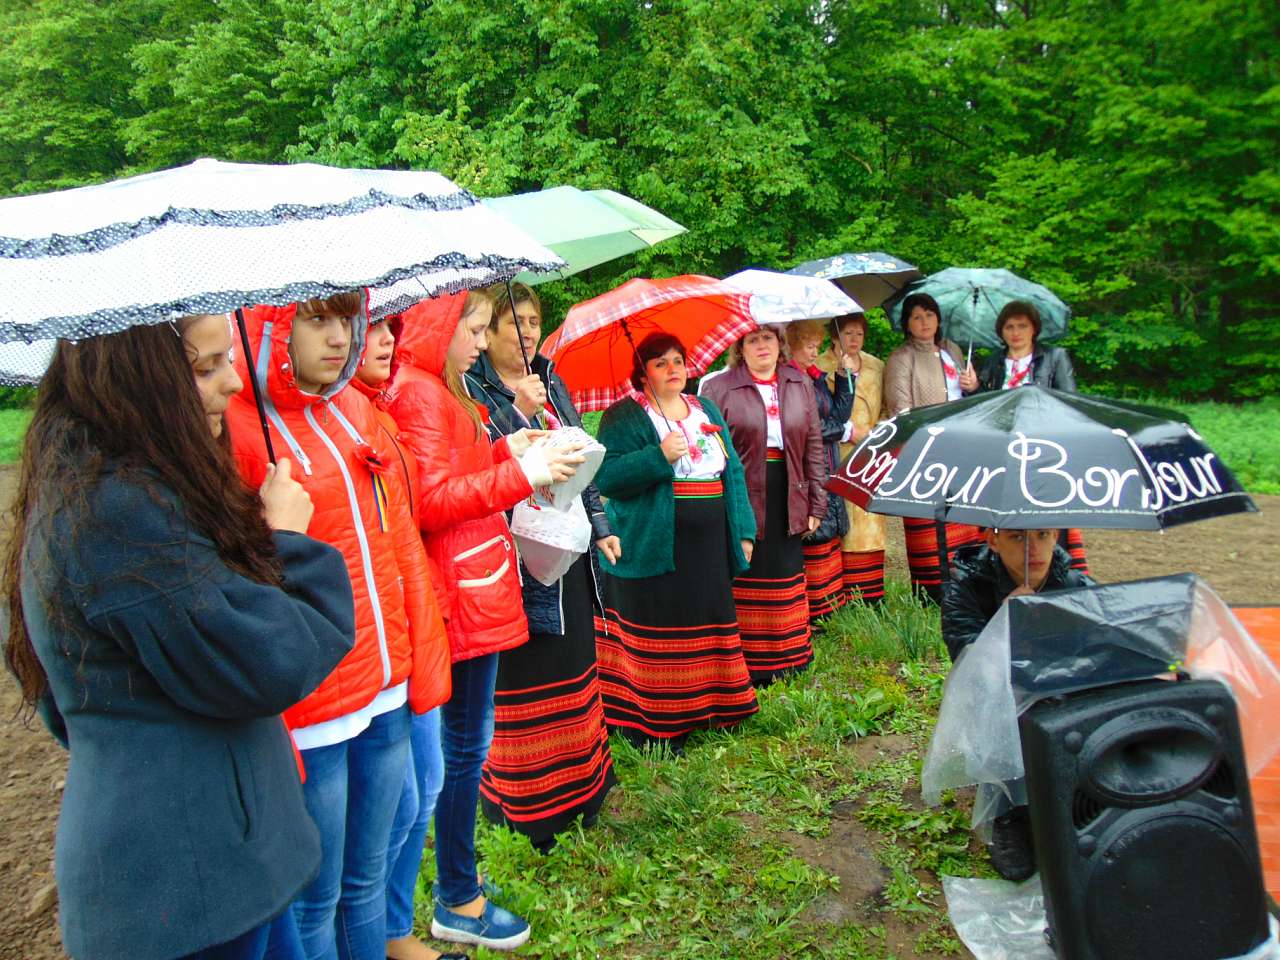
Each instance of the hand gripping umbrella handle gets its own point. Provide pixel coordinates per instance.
(253, 383)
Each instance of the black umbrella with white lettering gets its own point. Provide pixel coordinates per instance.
(1039, 458)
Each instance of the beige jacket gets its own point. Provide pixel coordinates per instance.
(913, 376)
(866, 530)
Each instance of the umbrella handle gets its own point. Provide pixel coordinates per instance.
(944, 561)
(253, 383)
(511, 300)
(528, 367)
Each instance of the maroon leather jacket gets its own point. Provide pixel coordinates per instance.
(734, 392)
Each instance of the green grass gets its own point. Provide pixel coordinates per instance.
(13, 426)
(691, 858)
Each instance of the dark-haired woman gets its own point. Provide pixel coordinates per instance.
(1024, 360)
(139, 579)
(823, 570)
(670, 656)
(467, 483)
(926, 370)
(550, 762)
(772, 415)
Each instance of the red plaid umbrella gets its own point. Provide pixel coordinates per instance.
(594, 349)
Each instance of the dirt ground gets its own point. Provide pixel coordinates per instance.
(1238, 556)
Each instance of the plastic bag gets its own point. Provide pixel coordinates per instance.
(550, 540)
(998, 920)
(1065, 640)
(562, 495)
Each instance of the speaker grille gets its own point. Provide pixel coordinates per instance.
(1084, 810)
(1172, 883)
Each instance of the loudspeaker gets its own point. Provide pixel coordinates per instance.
(1143, 826)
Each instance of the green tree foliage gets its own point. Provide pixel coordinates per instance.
(1120, 151)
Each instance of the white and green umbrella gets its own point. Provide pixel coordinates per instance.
(583, 227)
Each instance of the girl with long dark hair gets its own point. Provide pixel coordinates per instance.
(161, 617)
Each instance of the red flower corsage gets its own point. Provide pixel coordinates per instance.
(484, 412)
(371, 458)
(709, 427)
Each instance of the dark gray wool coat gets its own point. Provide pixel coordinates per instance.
(182, 821)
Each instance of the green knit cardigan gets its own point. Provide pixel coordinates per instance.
(636, 478)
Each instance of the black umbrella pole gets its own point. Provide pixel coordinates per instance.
(626, 332)
(253, 384)
(838, 348)
(511, 300)
(528, 368)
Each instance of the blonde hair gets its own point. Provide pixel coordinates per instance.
(801, 331)
(784, 354)
(453, 376)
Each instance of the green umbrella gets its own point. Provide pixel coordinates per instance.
(970, 299)
(583, 227)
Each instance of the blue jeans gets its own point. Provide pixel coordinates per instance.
(274, 940)
(351, 792)
(466, 731)
(422, 781)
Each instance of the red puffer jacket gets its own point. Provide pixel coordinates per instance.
(466, 485)
(344, 461)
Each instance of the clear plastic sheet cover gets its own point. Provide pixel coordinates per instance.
(998, 920)
(1068, 640)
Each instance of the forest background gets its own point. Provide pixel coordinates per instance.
(1122, 152)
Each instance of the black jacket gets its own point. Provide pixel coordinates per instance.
(1050, 367)
(541, 603)
(979, 584)
(833, 414)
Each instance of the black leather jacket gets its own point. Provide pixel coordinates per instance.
(979, 584)
(1050, 367)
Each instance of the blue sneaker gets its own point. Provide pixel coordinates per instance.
(497, 929)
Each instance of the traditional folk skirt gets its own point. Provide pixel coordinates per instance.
(1072, 541)
(669, 652)
(864, 574)
(773, 611)
(922, 551)
(824, 578)
(550, 761)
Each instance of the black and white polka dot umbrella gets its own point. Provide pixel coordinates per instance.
(212, 236)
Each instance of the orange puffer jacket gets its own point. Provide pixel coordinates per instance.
(466, 486)
(341, 456)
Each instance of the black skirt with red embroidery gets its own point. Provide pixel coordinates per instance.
(670, 657)
(824, 578)
(549, 762)
(773, 610)
(922, 551)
